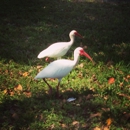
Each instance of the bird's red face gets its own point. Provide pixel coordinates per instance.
(83, 53)
(77, 34)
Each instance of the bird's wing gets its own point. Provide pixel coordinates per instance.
(56, 69)
(55, 50)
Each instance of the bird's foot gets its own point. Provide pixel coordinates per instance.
(50, 91)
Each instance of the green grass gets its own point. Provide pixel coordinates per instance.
(29, 26)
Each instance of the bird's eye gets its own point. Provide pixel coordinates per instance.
(75, 32)
(81, 52)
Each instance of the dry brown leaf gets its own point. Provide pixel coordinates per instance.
(5, 91)
(63, 125)
(94, 115)
(81, 65)
(85, 125)
(124, 95)
(106, 109)
(94, 78)
(6, 71)
(25, 74)
(27, 94)
(18, 87)
(96, 128)
(92, 89)
(11, 93)
(128, 76)
(39, 66)
(105, 97)
(75, 123)
(52, 126)
(125, 79)
(15, 116)
(121, 84)
(106, 128)
(111, 80)
(67, 90)
(108, 121)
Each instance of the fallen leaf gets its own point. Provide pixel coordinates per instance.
(106, 128)
(15, 116)
(75, 123)
(95, 115)
(67, 90)
(85, 125)
(111, 80)
(108, 121)
(81, 65)
(96, 128)
(11, 93)
(6, 71)
(5, 91)
(63, 125)
(27, 94)
(105, 97)
(52, 126)
(106, 109)
(126, 79)
(128, 76)
(18, 87)
(25, 74)
(124, 95)
(92, 89)
(39, 66)
(121, 84)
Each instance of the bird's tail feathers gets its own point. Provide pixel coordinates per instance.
(41, 55)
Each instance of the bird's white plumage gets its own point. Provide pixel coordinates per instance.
(56, 69)
(59, 68)
(55, 50)
(59, 49)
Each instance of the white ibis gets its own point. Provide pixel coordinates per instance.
(59, 49)
(60, 68)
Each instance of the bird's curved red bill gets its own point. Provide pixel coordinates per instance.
(87, 55)
(76, 33)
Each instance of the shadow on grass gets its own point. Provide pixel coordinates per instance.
(41, 111)
(28, 26)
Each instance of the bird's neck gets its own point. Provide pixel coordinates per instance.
(76, 59)
(72, 38)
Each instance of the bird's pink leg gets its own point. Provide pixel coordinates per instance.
(47, 59)
(58, 89)
(50, 88)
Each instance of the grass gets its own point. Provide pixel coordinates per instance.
(27, 27)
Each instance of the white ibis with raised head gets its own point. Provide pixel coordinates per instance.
(60, 68)
(59, 49)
